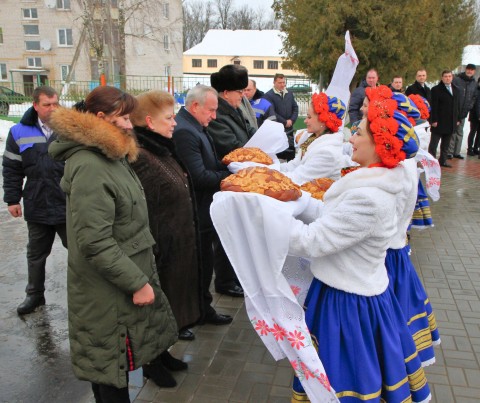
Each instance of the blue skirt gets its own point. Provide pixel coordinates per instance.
(422, 216)
(413, 300)
(365, 346)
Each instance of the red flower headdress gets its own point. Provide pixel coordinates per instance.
(322, 108)
(422, 105)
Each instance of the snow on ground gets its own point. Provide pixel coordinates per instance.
(5, 126)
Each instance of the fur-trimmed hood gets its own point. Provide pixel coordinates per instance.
(77, 130)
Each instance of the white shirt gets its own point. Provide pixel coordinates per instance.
(45, 129)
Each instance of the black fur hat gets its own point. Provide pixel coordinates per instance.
(230, 77)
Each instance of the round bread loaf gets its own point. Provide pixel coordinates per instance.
(317, 187)
(244, 154)
(263, 181)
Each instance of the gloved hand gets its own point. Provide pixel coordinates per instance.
(298, 206)
(234, 167)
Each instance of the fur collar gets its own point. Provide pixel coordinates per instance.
(90, 131)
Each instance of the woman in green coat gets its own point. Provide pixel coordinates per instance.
(119, 318)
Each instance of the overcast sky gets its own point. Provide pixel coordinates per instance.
(255, 3)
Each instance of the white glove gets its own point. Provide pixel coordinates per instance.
(298, 206)
(234, 167)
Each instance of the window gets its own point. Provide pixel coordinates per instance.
(272, 65)
(31, 30)
(30, 13)
(1, 35)
(237, 62)
(166, 10)
(32, 45)
(3, 71)
(34, 61)
(258, 64)
(212, 63)
(196, 62)
(166, 42)
(64, 70)
(65, 37)
(63, 4)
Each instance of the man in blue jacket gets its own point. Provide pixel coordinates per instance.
(26, 156)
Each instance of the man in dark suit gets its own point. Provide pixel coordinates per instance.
(286, 111)
(195, 149)
(419, 87)
(444, 116)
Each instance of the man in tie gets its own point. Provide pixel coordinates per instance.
(444, 116)
(26, 156)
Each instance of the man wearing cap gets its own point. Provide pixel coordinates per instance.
(230, 130)
(419, 87)
(467, 95)
(444, 116)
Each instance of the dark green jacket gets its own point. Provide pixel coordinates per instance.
(110, 252)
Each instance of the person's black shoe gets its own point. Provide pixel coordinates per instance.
(232, 291)
(186, 334)
(476, 152)
(159, 374)
(459, 156)
(449, 156)
(172, 363)
(218, 319)
(445, 165)
(470, 153)
(30, 303)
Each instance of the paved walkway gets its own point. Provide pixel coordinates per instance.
(230, 364)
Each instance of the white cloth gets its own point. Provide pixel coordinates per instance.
(348, 242)
(406, 200)
(270, 138)
(324, 159)
(253, 230)
(344, 71)
(430, 165)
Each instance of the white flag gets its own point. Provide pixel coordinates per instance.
(344, 71)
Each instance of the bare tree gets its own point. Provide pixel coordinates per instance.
(223, 9)
(243, 18)
(108, 23)
(197, 20)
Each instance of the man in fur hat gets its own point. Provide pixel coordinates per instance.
(230, 129)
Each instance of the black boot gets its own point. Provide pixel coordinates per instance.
(159, 374)
(172, 363)
(31, 302)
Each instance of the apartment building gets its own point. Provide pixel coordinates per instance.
(44, 40)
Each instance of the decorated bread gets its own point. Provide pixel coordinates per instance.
(264, 181)
(251, 154)
(317, 187)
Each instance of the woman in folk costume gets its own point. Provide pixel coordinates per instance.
(422, 215)
(119, 319)
(321, 154)
(404, 280)
(363, 340)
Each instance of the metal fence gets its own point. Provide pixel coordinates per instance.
(15, 97)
